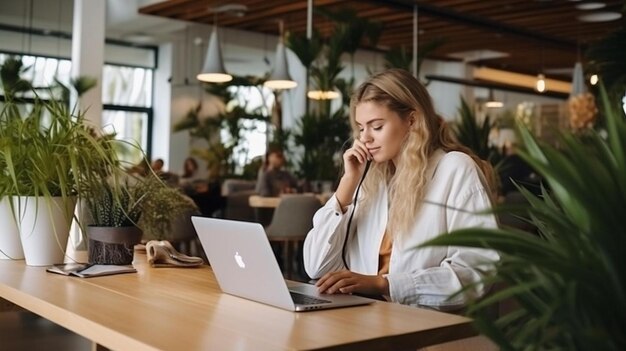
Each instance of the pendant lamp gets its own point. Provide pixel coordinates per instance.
(280, 78)
(540, 85)
(492, 102)
(213, 70)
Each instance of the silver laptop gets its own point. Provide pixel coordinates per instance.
(244, 265)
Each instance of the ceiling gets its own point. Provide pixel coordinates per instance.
(535, 35)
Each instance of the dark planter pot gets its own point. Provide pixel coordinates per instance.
(112, 245)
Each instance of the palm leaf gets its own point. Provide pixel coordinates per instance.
(568, 281)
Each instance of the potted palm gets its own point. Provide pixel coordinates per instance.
(568, 282)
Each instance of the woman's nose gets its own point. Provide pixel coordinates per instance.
(365, 136)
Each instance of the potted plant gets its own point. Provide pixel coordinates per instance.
(48, 154)
(113, 210)
(123, 209)
(166, 211)
(567, 282)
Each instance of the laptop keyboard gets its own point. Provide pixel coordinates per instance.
(301, 299)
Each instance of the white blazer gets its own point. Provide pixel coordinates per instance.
(425, 276)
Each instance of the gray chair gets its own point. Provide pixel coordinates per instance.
(292, 220)
(238, 206)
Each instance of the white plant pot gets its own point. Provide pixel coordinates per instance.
(10, 244)
(44, 226)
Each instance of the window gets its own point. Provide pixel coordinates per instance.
(126, 96)
(131, 127)
(127, 86)
(253, 132)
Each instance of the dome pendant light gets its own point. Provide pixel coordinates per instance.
(492, 102)
(213, 70)
(280, 78)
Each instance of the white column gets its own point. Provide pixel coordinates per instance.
(162, 121)
(87, 60)
(88, 54)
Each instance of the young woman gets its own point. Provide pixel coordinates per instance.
(419, 184)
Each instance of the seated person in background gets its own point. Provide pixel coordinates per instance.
(273, 180)
(190, 171)
(141, 169)
(157, 165)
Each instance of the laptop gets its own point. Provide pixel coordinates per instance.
(245, 266)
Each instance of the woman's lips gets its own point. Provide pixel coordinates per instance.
(373, 150)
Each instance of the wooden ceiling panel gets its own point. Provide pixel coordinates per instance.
(537, 35)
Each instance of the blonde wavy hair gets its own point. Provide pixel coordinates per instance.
(403, 94)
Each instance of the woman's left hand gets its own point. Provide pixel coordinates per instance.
(347, 282)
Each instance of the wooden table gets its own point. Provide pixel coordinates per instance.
(258, 201)
(183, 309)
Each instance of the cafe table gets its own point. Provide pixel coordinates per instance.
(184, 309)
(258, 201)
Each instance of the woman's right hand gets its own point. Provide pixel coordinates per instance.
(355, 159)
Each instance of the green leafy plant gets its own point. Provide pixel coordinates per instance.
(80, 85)
(219, 154)
(10, 77)
(475, 134)
(48, 151)
(568, 282)
(399, 57)
(351, 31)
(161, 207)
(321, 136)
(321, 132)
(145, 202)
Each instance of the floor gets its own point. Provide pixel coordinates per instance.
(22, 330)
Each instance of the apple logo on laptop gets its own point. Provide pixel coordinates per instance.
(239, 260)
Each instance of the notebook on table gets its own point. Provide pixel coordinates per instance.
(245, 266)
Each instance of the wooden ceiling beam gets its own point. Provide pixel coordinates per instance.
(480, 22)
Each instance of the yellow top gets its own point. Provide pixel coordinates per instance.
(384, 255)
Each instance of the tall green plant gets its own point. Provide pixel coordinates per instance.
(399, 57)
(475, 134)
(219, 154)
(10, 77)
(351, 30)
(322, 137)
(569, 282)
(51, 152)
